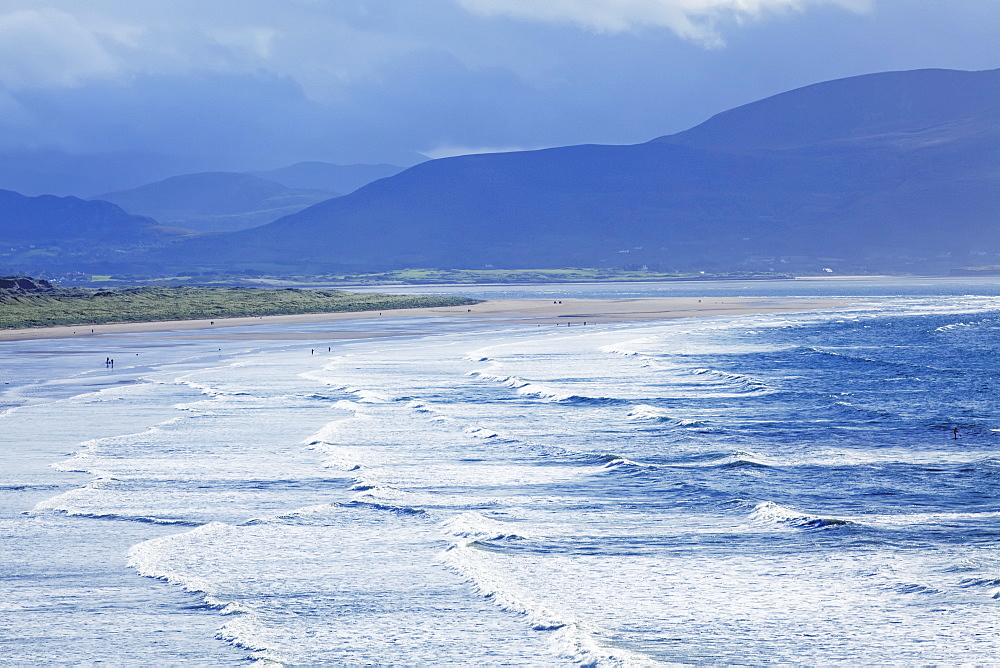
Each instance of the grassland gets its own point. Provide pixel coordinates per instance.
(20, 309)
(518, 276)
(429, 277)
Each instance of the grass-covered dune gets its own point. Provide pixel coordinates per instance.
(38, 304)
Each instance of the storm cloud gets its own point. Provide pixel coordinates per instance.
(697, 20)
(255, 84)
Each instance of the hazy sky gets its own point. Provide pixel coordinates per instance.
(254, 84)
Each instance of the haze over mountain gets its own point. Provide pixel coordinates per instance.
(328, 177)
(216, 201)
(893, 171)
(226, 201)
(47, 171)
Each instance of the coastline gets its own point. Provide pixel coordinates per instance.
(497, 311)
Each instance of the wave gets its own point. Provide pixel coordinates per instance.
(538, 389)
(629, 348)
(78, 462)
(959, 325)
(774, 513)
(207, 389)
(742, 383)
(377, 505)
(570, 638)
(654, 414)
(991, 583)
(741, 458)
(152, 559)
(545, 392)
(304, 515)
(475, 527)
(27, 487)
(370, 396)
(913, 588)
(380, 496)
(143, 519)
(147, 560)
(612, 462)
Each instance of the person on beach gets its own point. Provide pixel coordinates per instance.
(954, 433)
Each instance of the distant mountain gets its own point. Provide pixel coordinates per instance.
(49, 231)
(327, 176)
(216, 201)
(55, 172)
(879, 108)
(897, 171)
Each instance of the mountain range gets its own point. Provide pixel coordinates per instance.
(216, 201)
(69, 232)
(896, 171)
(226, 201)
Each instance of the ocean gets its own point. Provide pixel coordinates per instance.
(802, 488)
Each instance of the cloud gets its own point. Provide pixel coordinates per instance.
(48, 47)
(695, 20)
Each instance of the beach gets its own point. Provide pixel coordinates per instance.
(678, 481)
(494, 312)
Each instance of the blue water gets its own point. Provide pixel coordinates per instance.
(782, 489)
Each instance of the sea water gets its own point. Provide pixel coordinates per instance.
(816, 487)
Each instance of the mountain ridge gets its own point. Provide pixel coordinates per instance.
(915, 195)
(215, 201)
(49, 230)
(904, 182)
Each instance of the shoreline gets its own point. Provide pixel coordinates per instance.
(492, 312)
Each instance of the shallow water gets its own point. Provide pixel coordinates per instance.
(754, 489)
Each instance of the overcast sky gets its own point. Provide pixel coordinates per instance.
(257, 84)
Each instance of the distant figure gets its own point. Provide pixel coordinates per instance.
(312, 351)
(107, 361)
(954, 433)
(329, 348)
(112, 362)
(211, 322)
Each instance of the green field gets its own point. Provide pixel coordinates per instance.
(438, 277)
(513, 276)
(78, 306)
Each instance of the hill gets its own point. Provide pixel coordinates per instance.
(49, 231)
(216, 201)
(897, 171)
(328, 177)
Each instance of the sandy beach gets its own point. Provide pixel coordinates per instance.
(566, 312)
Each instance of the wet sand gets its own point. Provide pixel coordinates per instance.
(567, 312)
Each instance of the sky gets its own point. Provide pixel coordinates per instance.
(197, 85)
